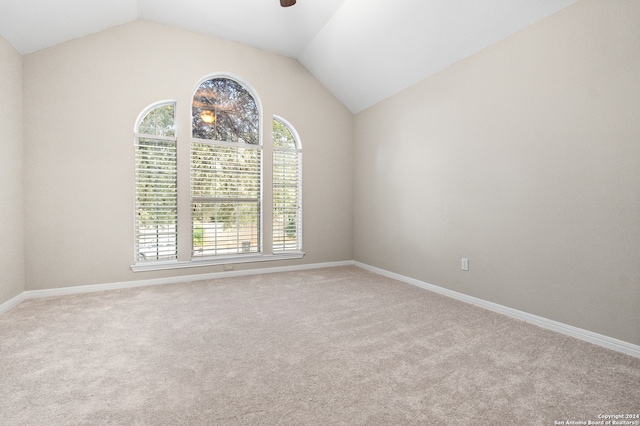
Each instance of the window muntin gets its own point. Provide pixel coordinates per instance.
(226, 170)
(156, 196)
(287, 188)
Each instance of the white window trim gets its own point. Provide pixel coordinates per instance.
(142, 266)
(136, 135)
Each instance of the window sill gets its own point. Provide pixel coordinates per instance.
(197, 263)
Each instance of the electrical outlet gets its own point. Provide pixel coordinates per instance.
(465, 264)
(227, 267)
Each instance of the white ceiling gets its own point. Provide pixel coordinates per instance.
(363, 51)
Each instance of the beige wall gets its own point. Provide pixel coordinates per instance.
(524, 158)
(84, 97)
(11, 168)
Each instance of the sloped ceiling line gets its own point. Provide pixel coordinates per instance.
(351, 46)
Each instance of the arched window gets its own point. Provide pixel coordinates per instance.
(226, 160)
(156, 196)
(225, 182)
(287, 188)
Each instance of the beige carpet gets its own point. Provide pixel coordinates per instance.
(320, 347)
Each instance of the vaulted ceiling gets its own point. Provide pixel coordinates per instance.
(363, 51)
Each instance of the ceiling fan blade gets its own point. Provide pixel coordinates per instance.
(287, 3)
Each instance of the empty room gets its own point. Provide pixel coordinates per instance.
(320, 212)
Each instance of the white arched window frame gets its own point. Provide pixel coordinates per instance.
(287, 188)
(156, 192)
(226, 170)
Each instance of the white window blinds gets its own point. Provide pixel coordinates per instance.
(225, 196)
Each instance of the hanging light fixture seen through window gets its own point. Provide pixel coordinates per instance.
(207, 116)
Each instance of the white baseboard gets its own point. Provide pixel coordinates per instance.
(588, 336)
(12, 302)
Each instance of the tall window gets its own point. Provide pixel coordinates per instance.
(225, 182)
(156, 201)
(226, 160)
(287, 188)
